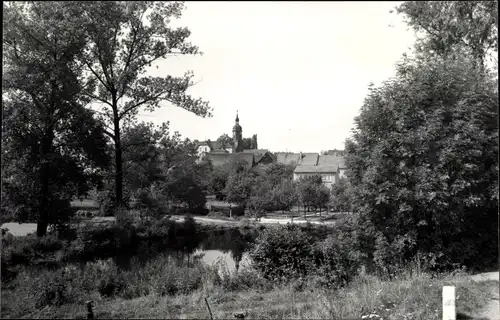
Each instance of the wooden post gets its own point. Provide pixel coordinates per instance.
(449, 303)
(90, 313)
(209, 310)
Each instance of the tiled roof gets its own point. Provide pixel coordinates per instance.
(309, 159)
(259, 153)
(221, 159)
(315, 169)
(288, 157)
(202, 143)
(331, 160)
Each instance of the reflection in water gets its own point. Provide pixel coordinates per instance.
(228, 246)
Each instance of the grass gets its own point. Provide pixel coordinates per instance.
(410, 295)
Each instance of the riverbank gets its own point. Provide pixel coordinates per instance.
(411, 295)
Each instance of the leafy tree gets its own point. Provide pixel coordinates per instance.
(262, 198)
(218, 180)
(278, 172)
(225, 139)
(340, 199)
(284, 195)
(124, 39)
(423, 162)
(52, 146)
(454, 27)
(141, 146)
(239, 187)
(312, 193)
(254, 142)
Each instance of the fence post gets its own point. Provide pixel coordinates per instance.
(209, 310)
(449, 303)
(90, 313)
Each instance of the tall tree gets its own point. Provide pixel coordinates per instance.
(423, 161)
(125, 38)
(454, 27)
(52, 145)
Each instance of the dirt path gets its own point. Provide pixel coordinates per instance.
(492, 309)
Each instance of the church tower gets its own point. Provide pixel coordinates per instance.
(237, 136)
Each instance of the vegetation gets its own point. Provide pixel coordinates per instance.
(422, 183)
(423, 158)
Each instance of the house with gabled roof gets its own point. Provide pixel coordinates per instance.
(331, 168)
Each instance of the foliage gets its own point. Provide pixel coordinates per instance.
(52, 144)
(284, 195)
(239, 187)
(423, 162)
(340, 258)
(123, 40)
(225, 140)
(340, 198)
(218, 180)
(312, 193)
(283, 253)
(454, 27)
(141, 155)
(278, 172)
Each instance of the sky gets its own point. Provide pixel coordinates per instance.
(296, 72)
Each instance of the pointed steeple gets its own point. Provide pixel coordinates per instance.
(237, 119)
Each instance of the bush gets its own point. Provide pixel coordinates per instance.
(25, 250)
(283, 253)
(103, 276)
(103, 240)
(339, 259)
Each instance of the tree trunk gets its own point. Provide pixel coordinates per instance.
(118, 160)
(44, 195)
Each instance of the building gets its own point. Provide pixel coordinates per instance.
(331, 168)
(226, 156)
(212, 146)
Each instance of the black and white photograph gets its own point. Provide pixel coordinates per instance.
(250, 160)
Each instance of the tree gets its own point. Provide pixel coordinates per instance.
(239, 187)
(225, 140)
(423, 161)
(141, 154)
(340, 199)
(218, 182)
(124, 39)
(254, 142)
(311, 192)
(52, 146)
(452, 27)
(247, 143)
(284, 195)
(278, 172)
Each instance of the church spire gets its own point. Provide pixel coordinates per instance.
(237, 119)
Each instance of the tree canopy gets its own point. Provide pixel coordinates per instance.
(52, 146)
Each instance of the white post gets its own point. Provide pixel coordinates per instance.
(449, 303)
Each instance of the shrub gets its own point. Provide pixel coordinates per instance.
(103, 276)
(284, 252)
(339, 259)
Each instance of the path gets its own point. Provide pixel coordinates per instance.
(492, 310)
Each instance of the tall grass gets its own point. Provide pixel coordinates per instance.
(161, 288)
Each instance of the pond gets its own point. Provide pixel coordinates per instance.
(229, 246)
